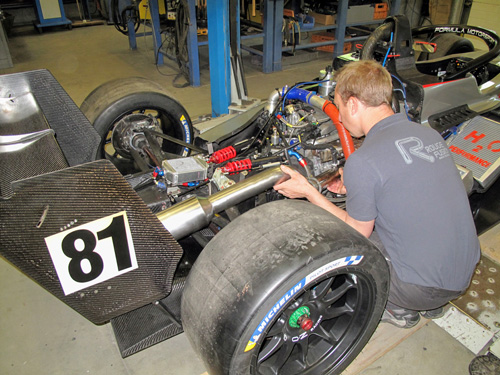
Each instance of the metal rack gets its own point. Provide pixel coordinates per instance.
(272, 40)
(218, 30)
(272, 35)
(155, 30)
(272, 50)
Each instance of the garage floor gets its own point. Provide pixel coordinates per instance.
(40, 335)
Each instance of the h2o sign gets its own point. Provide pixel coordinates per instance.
(89, 254)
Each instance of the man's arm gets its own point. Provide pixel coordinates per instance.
(298, 187)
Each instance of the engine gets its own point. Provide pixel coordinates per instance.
(237, 172)
(292, 129)
(314, 133)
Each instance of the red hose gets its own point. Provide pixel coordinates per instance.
(345, 138)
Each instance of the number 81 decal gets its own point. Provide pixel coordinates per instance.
(92, 253)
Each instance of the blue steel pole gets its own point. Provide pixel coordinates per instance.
(132, 42)
(219, 53)
(155, 21)
(273, 23)
(341, 26)
(278, 25)
(395, 5)
(192, 44)
(268, 42)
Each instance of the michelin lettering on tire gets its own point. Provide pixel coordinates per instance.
(187, 134)
(277, 307)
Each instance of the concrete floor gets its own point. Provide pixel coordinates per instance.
(39, 334)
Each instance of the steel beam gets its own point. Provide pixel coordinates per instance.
(273, 23)
(219, 53)
(341, 26)
(154, 11)
(192, 44)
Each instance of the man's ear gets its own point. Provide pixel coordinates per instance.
(353, 105)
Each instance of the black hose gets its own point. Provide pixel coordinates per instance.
(267, 125)
(381, 33)
(182, 22)
(120, 19)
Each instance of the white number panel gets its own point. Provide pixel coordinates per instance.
(92, 253)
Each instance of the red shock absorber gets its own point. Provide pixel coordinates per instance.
(237, 166)
(222, 155)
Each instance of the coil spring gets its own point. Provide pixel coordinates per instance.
(236, 166)
(222, 155)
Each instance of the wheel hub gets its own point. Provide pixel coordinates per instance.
(128, 134)
(305, 322)
(300, 318)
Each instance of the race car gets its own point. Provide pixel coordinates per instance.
(126, 213)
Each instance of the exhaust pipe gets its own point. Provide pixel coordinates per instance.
(195, 213)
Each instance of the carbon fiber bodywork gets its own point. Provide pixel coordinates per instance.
(80, 195)
(41, 196)
(75, 135)
(142, 328)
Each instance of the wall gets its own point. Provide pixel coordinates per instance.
(485, 13)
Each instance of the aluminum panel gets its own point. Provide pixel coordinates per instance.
(477, 148)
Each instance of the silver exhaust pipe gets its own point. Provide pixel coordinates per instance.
(195, 213)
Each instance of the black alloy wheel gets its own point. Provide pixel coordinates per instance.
(285, 288)
(314, 330)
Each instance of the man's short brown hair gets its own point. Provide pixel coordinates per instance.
(365, 80)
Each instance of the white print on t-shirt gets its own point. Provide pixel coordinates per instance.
(439, 150)
(414, 146)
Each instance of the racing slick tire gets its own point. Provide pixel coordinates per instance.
(448, 44)
(286, 288)
(116, 100)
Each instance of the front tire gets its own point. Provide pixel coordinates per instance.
(116, 106)
(286, 288)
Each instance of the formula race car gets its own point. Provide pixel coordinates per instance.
(128, 215)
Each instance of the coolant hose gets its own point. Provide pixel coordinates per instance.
(345, 137)
(330, 110)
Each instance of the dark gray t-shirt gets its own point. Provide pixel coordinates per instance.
(404, 177)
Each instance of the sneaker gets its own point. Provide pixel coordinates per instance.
(433, 314)
(402, 318)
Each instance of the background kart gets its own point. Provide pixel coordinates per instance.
(275, 290)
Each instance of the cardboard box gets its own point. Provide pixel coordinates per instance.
(323, 19)
(367, 13)
(439, 11)
(360, 13)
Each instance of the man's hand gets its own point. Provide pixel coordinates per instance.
(296, 187)
(337, 185)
